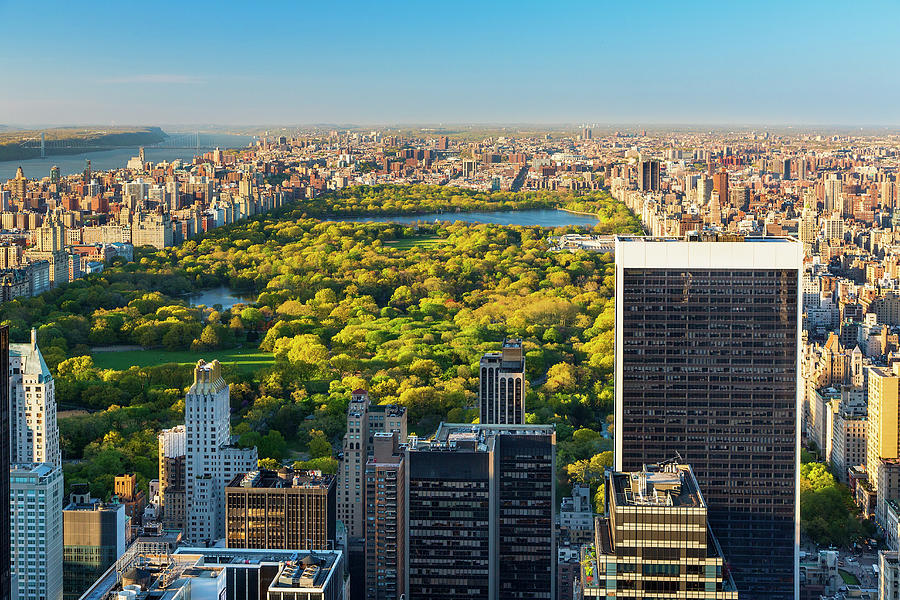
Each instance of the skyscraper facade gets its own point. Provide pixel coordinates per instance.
(481, 508)
(364, 421)
(171, 477)
(386, 519)
(704, 190)
(210, 459)
(720, 185)
(707, 335)
(648, 175)
(5, 560)
(834, 188)
(36, 494)
(501, 385)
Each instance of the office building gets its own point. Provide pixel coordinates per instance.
(364, 421)
(833, 227)
(706, 355)
(655, 541)
(883, 424)
(36, 493)
(481, 497)
(501, 385)
(10, 256)
(807, 228)
(720, 185)
(35, 434)
(58, 263)
(819, 576)
(386, 522)
(648, 175)
(171, 478)
(93, 539)
(785, 168)
(150, 571)
(281, 510)
(210, 459)
(567, 571)
(5, 532)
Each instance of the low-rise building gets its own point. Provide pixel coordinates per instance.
(820, 577)
(149, 573)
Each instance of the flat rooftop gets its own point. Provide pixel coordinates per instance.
(457, 431)
(711, 237)
(284, 479)
(670, 486)
(165, 576)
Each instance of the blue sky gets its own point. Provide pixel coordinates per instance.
(603, 62)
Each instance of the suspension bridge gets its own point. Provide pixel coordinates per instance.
(179, 141)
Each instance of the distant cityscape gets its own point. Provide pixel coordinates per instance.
(756, 363)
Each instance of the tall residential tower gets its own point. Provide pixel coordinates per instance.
(211, 462)
(501, 385)
(35, 434)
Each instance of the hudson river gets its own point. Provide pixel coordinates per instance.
(69, 164)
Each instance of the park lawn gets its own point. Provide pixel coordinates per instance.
(849, 578)
(422, 241)
(245, 359)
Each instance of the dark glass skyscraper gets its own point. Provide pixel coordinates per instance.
(480, 513)
(707, 335)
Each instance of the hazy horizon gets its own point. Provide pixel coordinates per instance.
(437, 127)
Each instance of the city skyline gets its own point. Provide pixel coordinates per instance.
(702, 63)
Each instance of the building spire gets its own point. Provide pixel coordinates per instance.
(33, 339)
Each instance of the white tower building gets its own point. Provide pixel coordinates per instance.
(33, 428)
(210, 459)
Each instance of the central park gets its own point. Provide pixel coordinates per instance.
(402, 310)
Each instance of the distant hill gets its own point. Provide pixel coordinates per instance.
(21, 144)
